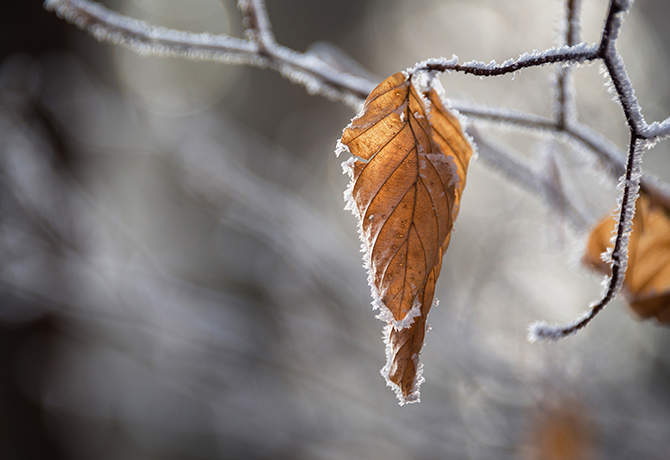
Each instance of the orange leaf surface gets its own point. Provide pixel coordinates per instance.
(647, 282)
(408, 173)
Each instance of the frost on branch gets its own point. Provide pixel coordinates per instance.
(407, 172)
(145, 39)
(616, 257)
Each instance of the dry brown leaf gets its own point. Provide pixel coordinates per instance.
(408, 173)
(647, 282)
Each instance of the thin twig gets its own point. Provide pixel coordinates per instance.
(566, 109)
(577, 54)
(144, 38)
(257, 23)
(573, 22)
(540, 330)
(621, 81)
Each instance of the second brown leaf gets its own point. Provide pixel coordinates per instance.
(647, 282)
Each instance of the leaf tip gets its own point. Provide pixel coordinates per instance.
(408, 395)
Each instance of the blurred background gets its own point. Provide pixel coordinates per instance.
(178, 279)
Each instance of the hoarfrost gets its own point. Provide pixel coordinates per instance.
(436, 158)
(340, 147)
(404, 323)
(144, 38)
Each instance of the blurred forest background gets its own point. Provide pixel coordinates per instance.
(178, 279)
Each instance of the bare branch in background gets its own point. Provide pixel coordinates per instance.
(531, 178)
(567, 110)
(257, 23)
(259, 51)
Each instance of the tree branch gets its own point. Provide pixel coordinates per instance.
(320, 77)
(257, 23)
(613, 159)
(566, 110)
(630, 183)
(579, 54)
(262, 51)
